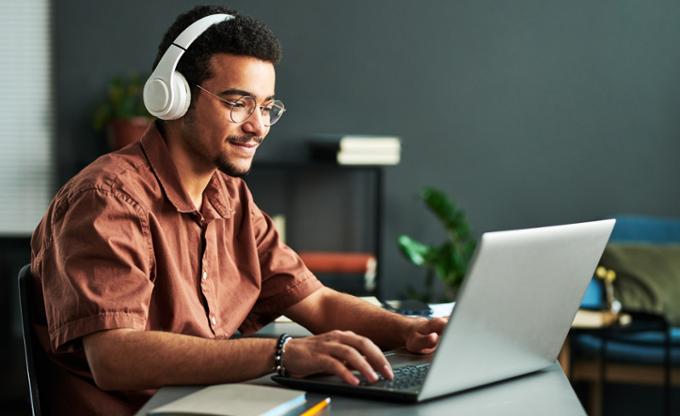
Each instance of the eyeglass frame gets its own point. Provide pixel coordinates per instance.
(231, 109)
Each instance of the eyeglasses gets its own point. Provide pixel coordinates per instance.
(243, 107)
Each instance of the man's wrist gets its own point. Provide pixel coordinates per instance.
(279, 366)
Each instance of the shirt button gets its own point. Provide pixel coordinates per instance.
(213, 320)
(204, 276)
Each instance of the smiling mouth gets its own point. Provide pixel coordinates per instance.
(244, 148)
(246, 142)
(248, 145)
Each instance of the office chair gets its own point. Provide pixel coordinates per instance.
(32, 351)
(644, 353)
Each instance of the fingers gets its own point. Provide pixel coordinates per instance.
(435, 325)
(368, 353)
(426, 335)
(352, 359)
(337, 353)
(333, 366)
(424, 344)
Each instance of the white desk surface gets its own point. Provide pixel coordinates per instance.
(541, 393)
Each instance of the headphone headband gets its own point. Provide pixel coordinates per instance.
(166, 93)
(189, 35)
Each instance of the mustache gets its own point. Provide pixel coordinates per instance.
(245, 139)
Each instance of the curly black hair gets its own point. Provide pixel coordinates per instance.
(242, 35)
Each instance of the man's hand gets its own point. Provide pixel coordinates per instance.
(338, 353)
(423, 335)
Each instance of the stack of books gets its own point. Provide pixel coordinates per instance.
(336, 263)
(351, 149)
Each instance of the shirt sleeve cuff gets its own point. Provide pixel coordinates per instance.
(275, 307)
(79, 328)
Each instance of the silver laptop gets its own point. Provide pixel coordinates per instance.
(512, 315)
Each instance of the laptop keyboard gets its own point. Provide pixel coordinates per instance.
(404, 378)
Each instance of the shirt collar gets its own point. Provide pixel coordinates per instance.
(158, 155)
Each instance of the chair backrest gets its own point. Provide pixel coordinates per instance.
(634, 229)
(32, 350)
(641, 229)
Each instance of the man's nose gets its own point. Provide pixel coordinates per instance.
(255, 124)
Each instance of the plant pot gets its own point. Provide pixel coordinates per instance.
(123, 131)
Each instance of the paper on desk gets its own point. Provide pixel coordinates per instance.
(441, 309)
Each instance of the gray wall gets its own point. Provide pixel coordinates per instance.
(527, 112)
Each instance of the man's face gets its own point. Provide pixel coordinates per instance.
(208, 131)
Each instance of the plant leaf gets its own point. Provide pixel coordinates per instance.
(440, 205)
(449, 261)
(415, 251)
(124, 100)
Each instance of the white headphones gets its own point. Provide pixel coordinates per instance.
(166, 92)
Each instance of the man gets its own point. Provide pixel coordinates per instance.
(152, 257)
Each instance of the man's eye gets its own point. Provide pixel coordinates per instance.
(235, 104)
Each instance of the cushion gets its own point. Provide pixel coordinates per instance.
(646, 348)
(647, 277)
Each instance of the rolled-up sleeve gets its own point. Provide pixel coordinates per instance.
(285, 278)
(99, 274)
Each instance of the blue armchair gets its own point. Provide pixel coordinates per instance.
(626, 355)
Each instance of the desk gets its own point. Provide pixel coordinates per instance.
(541, 393)
(544, 392)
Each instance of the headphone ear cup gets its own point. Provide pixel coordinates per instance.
(157, 97)
(181, 95)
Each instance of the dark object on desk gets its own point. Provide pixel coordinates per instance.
(410, 307)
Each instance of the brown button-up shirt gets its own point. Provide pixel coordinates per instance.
(122, 246)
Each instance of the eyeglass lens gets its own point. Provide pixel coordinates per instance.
(244, 107)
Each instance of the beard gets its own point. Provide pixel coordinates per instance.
(228, 168)
(221, 161)
(225, 166)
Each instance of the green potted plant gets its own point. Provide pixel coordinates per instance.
(123, 115)
(449, 260)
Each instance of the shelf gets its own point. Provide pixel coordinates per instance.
(282, 187)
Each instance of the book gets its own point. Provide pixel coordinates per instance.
(356, 142)
(235, 400)
(356, 149)
(355, 157)
(337, 262)
(344, 158)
